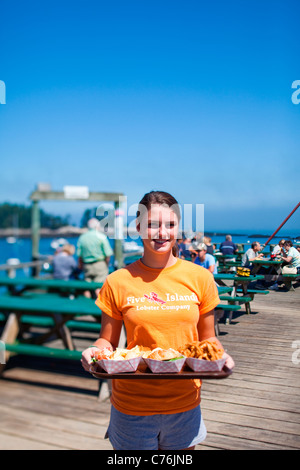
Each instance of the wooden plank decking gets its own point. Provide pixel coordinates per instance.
(258, 407)
(51, 404)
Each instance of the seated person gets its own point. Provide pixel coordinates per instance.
(204, 259)
(209, 246)
(291, 256)
(292, 259)
(251, 254)
(64, 264)
(277, 251)
(183, 247)
(228, 247)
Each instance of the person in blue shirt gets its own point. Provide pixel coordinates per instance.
(64, 265)
(184, 245)
(204, 259)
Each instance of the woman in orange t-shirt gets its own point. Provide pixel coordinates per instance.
(164, 302)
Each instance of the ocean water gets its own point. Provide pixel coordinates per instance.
(21, 249)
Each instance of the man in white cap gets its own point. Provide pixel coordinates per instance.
(94, 252)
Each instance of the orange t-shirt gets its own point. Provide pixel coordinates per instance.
(160, 308)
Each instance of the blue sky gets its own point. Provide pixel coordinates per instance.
(189, 97)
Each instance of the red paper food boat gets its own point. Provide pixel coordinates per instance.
(172, 366)
(114, 366)
(203, 365)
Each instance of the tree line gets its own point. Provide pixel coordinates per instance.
(19, 216)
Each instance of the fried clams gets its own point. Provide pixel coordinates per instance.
(206, 350)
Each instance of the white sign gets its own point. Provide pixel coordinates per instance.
(76, 192)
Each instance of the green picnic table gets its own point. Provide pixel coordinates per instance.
(242, 281)
(233, 277)
(275, 272)
(55, 313)
(274, 267)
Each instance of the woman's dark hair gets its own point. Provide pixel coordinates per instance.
(162, 198)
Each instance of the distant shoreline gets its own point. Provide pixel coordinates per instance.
(70, 231)
(44, 232)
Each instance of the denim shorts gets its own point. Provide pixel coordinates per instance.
(160, 431)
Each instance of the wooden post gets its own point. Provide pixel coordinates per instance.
(9, 335)
(35, 233)
(43, 193)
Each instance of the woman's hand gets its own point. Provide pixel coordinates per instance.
(229, 361)
(87, 356)
(109, 338)
(206, 331)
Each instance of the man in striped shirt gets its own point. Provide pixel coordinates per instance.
(228, 247)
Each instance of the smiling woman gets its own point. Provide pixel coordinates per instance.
(164, 302)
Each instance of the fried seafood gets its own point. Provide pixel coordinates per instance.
(121, 354)
(160, 354)
(206, 350)
(104, 353)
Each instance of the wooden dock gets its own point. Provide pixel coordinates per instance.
(53, 405)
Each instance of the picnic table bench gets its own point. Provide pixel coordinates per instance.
(252, 292)
(222, 309)
(224, 289)
(47, 322)
(18, 285)
(288, 279)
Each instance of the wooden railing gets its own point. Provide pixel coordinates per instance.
(36, 266)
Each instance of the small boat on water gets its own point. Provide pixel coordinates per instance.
(132, 247)
(11, 240)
